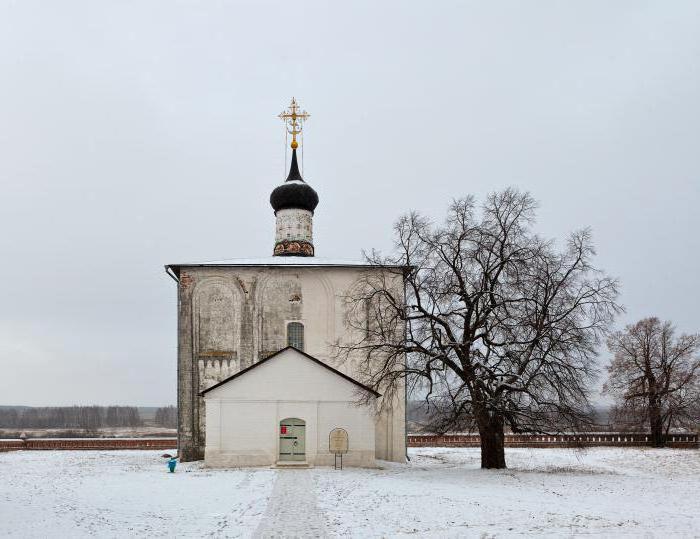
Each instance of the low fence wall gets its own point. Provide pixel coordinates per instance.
(593, 439)
(87, 443)
(614, 439)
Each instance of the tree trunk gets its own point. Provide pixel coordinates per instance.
(657, 428)
(492, 441)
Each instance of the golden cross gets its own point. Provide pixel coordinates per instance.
(294, 119)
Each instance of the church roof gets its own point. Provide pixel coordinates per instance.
(307, 356)
(308, 262)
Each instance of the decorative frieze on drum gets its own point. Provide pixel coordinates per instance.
(293, 248)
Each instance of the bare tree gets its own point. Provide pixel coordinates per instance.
(494, 328)
(655, 377)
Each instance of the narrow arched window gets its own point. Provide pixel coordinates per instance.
(295, 335)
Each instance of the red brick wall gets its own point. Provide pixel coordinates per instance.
(88, 443)
(11, 445)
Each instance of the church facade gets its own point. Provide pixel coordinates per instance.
(284, 410)
(288, 312)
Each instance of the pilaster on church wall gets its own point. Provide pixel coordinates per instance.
(186, 391)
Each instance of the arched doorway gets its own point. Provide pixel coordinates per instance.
(292, 439)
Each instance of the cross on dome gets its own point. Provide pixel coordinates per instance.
(294, 119)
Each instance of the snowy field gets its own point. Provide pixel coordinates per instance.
(602, 492)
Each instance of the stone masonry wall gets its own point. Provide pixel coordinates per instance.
(231, 317)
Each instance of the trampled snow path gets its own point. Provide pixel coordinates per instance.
(293, 508)
(602, 492)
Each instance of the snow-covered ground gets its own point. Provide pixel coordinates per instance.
(125, 494)
(441, 493)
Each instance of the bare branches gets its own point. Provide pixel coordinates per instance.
(655, 377)
(497, 324)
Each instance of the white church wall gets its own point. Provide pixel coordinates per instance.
(243, 415)
(266, 299)
(360, 426)
(247, 433)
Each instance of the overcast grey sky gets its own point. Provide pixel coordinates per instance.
(134, 134)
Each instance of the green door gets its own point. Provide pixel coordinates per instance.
(293, 439)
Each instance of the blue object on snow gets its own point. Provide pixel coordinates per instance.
(171, 464)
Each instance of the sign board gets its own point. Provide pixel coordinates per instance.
(338, 441)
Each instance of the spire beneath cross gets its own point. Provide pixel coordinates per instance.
(294, 119)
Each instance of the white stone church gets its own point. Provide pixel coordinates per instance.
(257, 384)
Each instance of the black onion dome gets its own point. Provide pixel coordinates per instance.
(294, 192)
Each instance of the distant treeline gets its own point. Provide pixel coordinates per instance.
(81, 417)
(166, 417)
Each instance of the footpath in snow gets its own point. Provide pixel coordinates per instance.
(602, 492)
(293, 508)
